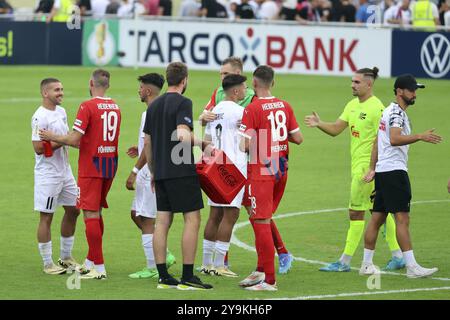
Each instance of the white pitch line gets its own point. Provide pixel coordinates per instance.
(367, 293)
(247, 247)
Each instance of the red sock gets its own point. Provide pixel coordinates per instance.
(102, 226)
(259, 264)
(267, 251)
(94, 239)
(278, 242)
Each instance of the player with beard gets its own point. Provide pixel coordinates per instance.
(389, 167)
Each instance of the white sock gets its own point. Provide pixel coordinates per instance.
(66, 247)
(147, 244)
(368, 255)
(345, 259)
(100, 268)
(208, 252)
(397, 254)
(221, 251)
(45, 249)
(410, 260)
(88, 263)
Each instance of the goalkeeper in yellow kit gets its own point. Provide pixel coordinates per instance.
(362, 115)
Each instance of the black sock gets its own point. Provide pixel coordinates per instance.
(188, 271)
(162, 270)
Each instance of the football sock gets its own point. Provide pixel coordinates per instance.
(147, 244)
(102, 226)
(66, 247)
(100, 268)
(89, 264)
(94, 239)
(278, 242)
(162, 270)
(368, 255)
(354, 234)
(259, 263)
(410, 260)
(188, 271)
(208, 252)
(391, 236)
(345, 259)
(45, 249)
(221, 250)
(267, 250)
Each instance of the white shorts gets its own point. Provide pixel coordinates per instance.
(144, 202)
(237, 201)
(52, 192)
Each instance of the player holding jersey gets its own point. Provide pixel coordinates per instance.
(234, 65)
(143, 209)
(96, 133)
(362, 116)
(268, 125)
(54, 184)
(223, 134)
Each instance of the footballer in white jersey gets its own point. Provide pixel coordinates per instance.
(144, 202)
(54, 184)
(54, 181)
(224, 136)
(143, 209)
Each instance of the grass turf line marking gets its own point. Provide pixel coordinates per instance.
(367, 293)
(247, 247)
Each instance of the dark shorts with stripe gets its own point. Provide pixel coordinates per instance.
(179, 194)
(392, 192)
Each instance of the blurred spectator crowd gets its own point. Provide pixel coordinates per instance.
(388, 12)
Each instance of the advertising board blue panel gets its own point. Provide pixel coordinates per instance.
(39, 43)
(424, 54)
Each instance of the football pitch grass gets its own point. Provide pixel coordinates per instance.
(316, 195)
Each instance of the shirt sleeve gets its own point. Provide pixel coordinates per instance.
(147, 124)
(345, 114)
(212, 102)
(184, 114)
(82, 121)
(37, 123)
(248, 124)
(396, 119)
(293, 124)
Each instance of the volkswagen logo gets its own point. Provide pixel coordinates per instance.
(435, 55)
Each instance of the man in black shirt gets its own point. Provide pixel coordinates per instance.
(168, 128)
(165, 8)
(245, 11)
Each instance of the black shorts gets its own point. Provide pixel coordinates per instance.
(392, 192)
(179, 194)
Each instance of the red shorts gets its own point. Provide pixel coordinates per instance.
(92, 193)
(265, 196)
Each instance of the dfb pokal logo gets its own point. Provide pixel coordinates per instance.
(435, 55)
(250, 46)
(101, 44)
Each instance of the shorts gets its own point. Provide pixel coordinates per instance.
(92, 193)
(265, 196)
(144, 202)
(392, 192)
(236, 203)
(179, 194)
(360, 191)
(52, 192)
